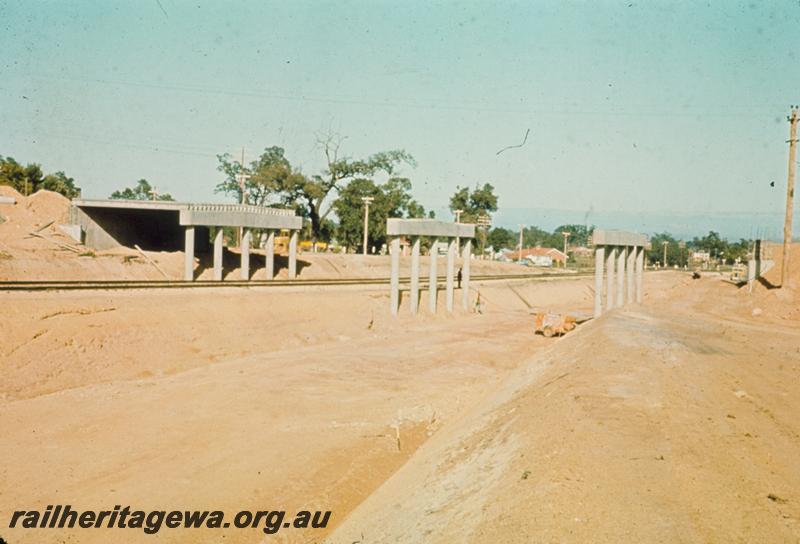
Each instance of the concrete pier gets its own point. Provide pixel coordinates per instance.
(394, 280)
(245, 248)
(611, 266)
(188, 269)
(621, 277)
(218, 249)
(599, 257)
(293, 255)
(466, 257)
(451, 264)
(414, 297)
(630, 274)
(623, 254)
(269, 259)
(639, 273)
(416, 229)
(433, 278)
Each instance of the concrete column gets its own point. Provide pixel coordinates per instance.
(394, 295)
(269, 248)
(246, 235)
(433, 277)
(599, 254)
(630, 273)
(188, 269)
(218, 241)
(466, 255)
(621, 257)
(451, 264)
(415, 276)
(639, 273)
(611, 265)
(293, 255)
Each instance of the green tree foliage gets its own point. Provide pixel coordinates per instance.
(274, 181)
(391, 199)
(141, 191)
(579, 234)
(473, 204)
(30, 178)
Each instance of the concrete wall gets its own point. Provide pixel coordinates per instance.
(157, 230)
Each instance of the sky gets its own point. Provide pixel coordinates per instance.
(648, 116)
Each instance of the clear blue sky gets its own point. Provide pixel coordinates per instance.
(633, 106)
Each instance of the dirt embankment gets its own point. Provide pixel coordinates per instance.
(671, 422)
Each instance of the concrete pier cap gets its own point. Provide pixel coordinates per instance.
(436, 231)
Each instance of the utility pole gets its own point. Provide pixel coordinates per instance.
(241, 178)
(366, 200)
(787, 222)
(458, 220)
(566, 236)
(521, 230)
(665, 244)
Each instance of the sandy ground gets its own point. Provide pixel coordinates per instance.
(671, 421)
(675, 421)
(236, 399)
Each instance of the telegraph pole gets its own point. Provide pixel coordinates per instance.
(366, 200)
(521, 230)
(458, 220)
(787, 223)
(241, 178)
(566, 236)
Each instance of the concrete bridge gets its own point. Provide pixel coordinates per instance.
(174, 225)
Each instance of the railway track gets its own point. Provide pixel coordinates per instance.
(85, 285)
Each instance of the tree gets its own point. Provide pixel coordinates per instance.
(30, 178)
(274, 180)
(390, 199)
(473, 204)
(141, 191)
(578, 234)
(500, 238)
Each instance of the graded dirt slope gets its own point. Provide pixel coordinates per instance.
(237, 399)
(671, 422)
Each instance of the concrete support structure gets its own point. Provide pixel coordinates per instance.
(630, 273)
(433, 278)
(247, 235)
(623, 252)
(599, 256)
(611, 265)
(639, 273)
(417, 229)
(269, 258)
(414, 298)
(394, 280)
(451, 265)
(159, 224)
(188, 269)
(466, 256)
(293, 255)
(218, 249)
(623, 255)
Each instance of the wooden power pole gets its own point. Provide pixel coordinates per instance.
(787, 222)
